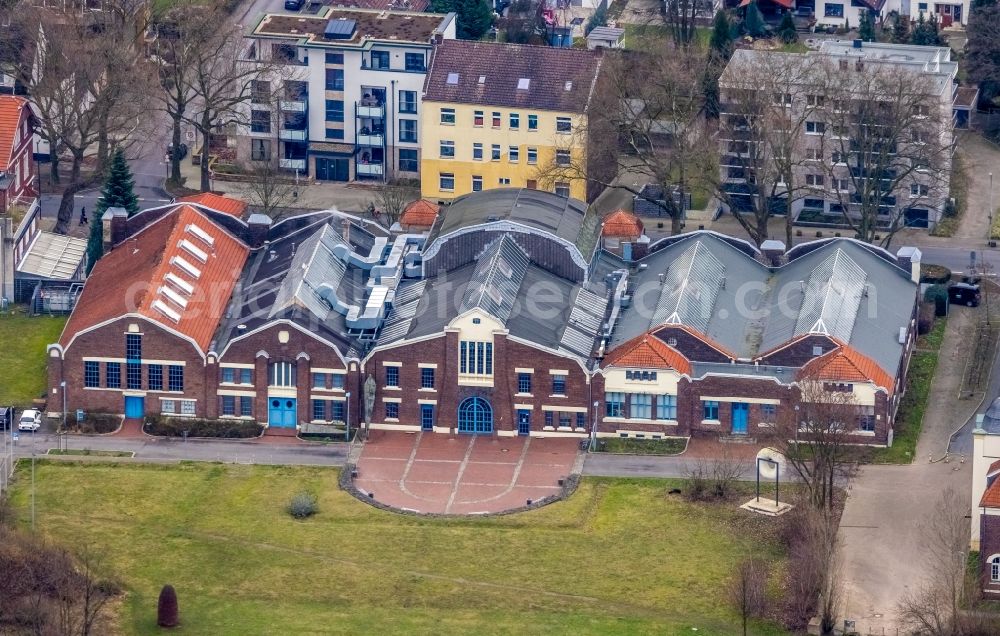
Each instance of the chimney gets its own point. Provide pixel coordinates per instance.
(774, 252)
(259, 225)
(908, 258)
(115, 225)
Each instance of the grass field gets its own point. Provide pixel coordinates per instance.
(22, 356)
(910, 416)
(619, 557)
(631, 446)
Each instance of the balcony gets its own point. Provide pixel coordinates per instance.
(371, 112)
(292, 135)
(293, 106)
(369, 169)
(375, 140)
(293, 164)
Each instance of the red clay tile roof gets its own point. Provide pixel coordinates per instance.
(994, 467)
(421, 212)
(11, 110)
(219, 203)
(646, 351)
(846, 364)
(991, 498)
(550, 70)
(179, 271)
(621, 223)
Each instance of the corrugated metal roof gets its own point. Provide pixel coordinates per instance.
(497, 278)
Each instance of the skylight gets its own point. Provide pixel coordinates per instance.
(453, 78)
(194, 250)
(523, 83)
(482, 79)
(162, 307)
(201, 234)
(187, 267)
(180, 283)
(174, 297)
(569, 86)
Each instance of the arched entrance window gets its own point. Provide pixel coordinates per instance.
(475, 415)
(994, 563)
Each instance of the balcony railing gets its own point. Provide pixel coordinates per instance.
(369, 169)
(371, 112)
(292, 135)
(375, 140)
(292, 164)
(293, 106)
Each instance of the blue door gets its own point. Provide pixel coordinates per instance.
(133, 407)
(626, 251)
(427, 417)
(524, 422)
(281, 413)
(741, 415)
(475, 415)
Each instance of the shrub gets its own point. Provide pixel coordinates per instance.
(93, 423)
(175, 427)
(930, 273)
(938, 294)
(925, 318)
(166, 608)
(303, 505)
(786, 30)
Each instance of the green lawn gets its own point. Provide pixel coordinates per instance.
(618, 557)
(22, 356)
(910, 416)
(669, 446)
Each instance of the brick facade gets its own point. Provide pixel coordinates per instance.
(989, 545)
(508, 356)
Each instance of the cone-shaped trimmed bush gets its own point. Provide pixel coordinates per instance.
(166, 609)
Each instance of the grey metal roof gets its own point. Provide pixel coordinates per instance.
(855, 292)
(314, 264)
(497, 278)
(537, 209)
(690, 287)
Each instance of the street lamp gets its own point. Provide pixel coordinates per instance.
(347, 420)
(593, 430)
(989, 231)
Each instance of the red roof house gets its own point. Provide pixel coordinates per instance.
(17, 166)
(419, 215)
(219, 203)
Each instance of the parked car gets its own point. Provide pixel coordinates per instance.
(964, 294)
(31, 420)
(294, 5)
(181, 151)
(6, 417)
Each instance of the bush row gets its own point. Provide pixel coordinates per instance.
(175, 427)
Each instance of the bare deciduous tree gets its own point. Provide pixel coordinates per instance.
(813, 434)
(748, 589)
(644, 125)
(813, 586)
(392, 197)
(87, 83)
(269, 187)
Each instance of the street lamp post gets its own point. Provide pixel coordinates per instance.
(593, 430)
(347, 420)
(989, 231)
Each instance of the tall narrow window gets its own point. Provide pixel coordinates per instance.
(113, 375)
(175, 379)
(426, 378)
(392, 376)
(154, 374)
(133, 347)
(91, 374)
(133, 375)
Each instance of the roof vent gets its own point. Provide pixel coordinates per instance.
(568, 86)
(482, 79)
(340, 29)
(453, 78)
(523, 83)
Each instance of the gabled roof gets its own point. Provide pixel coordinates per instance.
(421, 212)
(512, 75)
(11, 110)
(621, 223)
(219, 203)
(991, 498)
(646, 351)
(846, 364)
(179, 272)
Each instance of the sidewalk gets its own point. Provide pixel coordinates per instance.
(312, 195)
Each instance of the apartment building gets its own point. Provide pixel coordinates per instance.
(821, 119)
(344, 99)
(502, 115)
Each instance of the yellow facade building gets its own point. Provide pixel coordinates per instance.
(505, 115)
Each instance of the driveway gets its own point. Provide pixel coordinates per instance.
(881, 529)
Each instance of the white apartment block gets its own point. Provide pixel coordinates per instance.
(815, 100)
(840, 12)
(343, 103)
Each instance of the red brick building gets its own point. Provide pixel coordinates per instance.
(17, 165)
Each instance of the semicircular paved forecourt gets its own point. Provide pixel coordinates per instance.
(433, 473)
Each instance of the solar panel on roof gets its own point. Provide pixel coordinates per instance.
(340, 29)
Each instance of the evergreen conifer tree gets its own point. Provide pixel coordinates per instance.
(754, 20)
(786, 30)
(866, 30)
(118, 192)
